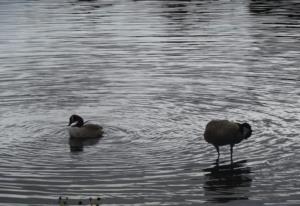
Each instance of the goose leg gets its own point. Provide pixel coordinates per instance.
(217, 148)
(231, 151)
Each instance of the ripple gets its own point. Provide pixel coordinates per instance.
(153, 73)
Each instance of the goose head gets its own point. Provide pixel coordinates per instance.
(76, 121)
(245, 130)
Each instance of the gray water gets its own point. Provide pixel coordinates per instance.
(152, 73)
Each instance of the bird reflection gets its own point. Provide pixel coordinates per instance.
(77, 145)
(227, 182)
(176, 10)
(289, 9)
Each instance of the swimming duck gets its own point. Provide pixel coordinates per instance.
(224, 132)
(80, 129)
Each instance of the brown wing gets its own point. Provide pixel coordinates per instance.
(221, 132)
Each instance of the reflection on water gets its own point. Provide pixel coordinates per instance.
(276, 7)
(227, 182)
(153, 73)
(77, 145)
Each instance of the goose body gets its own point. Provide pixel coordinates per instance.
(82, 130)
(224, 132)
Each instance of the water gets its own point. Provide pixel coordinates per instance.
(153, 73)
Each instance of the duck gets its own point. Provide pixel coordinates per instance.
(83, 130)
(225, 132)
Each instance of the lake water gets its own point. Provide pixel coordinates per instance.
(153, 73)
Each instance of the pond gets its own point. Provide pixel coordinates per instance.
(152, 73)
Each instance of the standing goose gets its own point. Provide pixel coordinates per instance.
(81, 130)
(224, 132)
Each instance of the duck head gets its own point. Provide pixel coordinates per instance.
(246, 130)
(77, 120)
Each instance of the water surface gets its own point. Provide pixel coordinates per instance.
(153, 73)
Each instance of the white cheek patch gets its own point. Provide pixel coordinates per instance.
(74, 123)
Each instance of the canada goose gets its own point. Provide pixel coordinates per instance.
(81, 129)
(224, 132)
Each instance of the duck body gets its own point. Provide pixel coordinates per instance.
(224, 132)
(81, 130)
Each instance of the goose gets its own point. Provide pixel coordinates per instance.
(81, 130)
(224, 132)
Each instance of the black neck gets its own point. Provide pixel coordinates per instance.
(79, 121)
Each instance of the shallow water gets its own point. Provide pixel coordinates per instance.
(153, 73)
